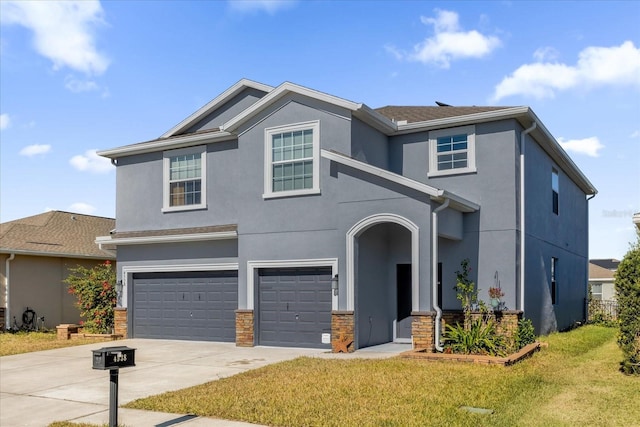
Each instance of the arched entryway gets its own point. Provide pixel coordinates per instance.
(382, 278)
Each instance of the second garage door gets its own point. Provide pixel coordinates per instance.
(295, 307)
(186, 306)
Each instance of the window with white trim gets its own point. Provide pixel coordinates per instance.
(292, 156)
(452, 151)
(596, 291)
(184, 179)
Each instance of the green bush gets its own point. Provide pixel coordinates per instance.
(95, 294)
(525, 334)
(627, 280)
(480, 338)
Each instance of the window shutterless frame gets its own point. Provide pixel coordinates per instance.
(452, 151)
(555, 191)
(184, 179)
(292, 160)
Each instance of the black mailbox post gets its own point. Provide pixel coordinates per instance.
(113, 358)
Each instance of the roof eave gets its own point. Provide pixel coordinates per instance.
(181, 141)
(174, 238)
(215, 103)
(106, 255)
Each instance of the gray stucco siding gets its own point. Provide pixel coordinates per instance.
(140, 185)
(228, 110)
(368, 145)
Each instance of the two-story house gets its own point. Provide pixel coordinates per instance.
(290, 217)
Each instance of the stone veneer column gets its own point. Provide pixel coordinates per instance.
(422, 330)
(120, 321)
(342, 331)
(244, 328)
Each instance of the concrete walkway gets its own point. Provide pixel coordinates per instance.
(39, 388)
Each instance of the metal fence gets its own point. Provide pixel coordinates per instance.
(603, 310)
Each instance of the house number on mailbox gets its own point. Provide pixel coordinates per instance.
(119, 357)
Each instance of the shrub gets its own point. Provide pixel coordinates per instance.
(95, 294)
(466, 292)
(627, 281)
(525, 333)
(480, 338)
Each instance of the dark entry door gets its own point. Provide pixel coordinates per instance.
(403, 305)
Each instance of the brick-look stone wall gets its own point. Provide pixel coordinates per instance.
(507, 320)
(342, 330)
(120, 321)
(2, 320)
(422, 330)
(244, 328)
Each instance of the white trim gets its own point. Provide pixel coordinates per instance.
(252, 266)
(215, 103)
(459, 203)
(169, 268)
(268, 159)
(395, 334)
(278, 93)
(173, 238)
(367, 223)
(470, 131)
(166, 167)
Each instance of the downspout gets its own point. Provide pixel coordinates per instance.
(434, 270)
(7, 317)
(522, 199)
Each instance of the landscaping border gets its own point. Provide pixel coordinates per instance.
(523, 353)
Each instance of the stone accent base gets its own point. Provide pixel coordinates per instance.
(342, 331)
(120, 321)
(244, 328)
(422, 330)
(65, 330)
(506, 320)
(3, 326)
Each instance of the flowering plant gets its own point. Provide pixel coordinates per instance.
(496, 293)
(95, 294)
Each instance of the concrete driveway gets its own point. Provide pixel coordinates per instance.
(59, 385)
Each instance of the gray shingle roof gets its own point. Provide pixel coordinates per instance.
(56, 233)
(424, 113)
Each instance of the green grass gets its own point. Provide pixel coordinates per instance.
(26, 342)
(573, 381)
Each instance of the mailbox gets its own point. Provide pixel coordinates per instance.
(114, 357)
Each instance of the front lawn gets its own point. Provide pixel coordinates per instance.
(25, 342)
(574, 381)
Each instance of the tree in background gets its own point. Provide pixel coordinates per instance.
(627, 280)
(95, 291)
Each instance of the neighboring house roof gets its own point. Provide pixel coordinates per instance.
(636, 219)
(608, 263)
(597, 273)
(56, 233)
(388, 120)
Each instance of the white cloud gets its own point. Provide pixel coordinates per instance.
(269, 6)
(596, 66)
(546, 53)
(82, 208)
(5, 121)
(91, 162)
(448, 43)
(63, 31)
(588, 146)
(635, 134)
(75, 85)
(35, 149)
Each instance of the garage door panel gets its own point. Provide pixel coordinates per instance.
(185, 305)
(294, 306)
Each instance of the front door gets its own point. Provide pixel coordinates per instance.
(402, 331)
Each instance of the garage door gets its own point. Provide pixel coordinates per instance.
(186, 306)
(295, 307)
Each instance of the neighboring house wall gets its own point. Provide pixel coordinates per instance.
(37, 282)
(563, 236)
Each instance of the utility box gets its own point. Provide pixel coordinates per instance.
(114, 357)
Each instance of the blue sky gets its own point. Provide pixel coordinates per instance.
(76, 77)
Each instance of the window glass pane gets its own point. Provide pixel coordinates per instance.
(444, 144)
(289, 170)
(554, 180)
(288, 139)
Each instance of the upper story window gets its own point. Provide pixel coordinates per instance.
(292, 156)
(555, 190)
(554, 284)
(452, 151)
(184, 179)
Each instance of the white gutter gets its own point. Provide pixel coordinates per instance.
(522, 199)
(434, 270)
(7, 323)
